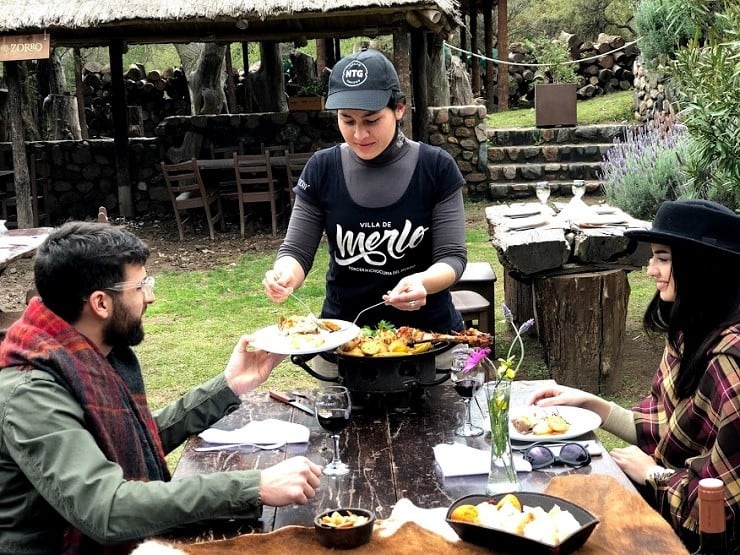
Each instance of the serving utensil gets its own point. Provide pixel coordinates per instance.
(365, 310)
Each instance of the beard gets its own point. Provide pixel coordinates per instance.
(124, 330)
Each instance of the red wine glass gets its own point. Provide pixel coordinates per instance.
(333, 407)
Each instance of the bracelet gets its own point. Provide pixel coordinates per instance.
(658, 474)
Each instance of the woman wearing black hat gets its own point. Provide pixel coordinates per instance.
(392, 210)
(688, 428)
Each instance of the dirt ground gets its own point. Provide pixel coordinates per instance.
(641, 355)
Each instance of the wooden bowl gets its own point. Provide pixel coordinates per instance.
(344, 537)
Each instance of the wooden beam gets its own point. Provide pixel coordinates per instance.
(120, 129)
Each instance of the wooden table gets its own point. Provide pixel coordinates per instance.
(389, 452)
(17, 243)
(569, 272)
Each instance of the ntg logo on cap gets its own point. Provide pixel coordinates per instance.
(355, 74)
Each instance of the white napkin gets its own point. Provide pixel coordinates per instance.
(259, 431)
(457, 459)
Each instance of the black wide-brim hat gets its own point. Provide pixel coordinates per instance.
(700, 223)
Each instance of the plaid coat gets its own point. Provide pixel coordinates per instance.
(699, 436)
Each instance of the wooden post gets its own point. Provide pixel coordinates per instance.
(581, 320)
(120, 129)
(474, 61)
(401, 62)
(503, 50)
(80, 94)
(20, 162)
(488, 42)
(420, 116)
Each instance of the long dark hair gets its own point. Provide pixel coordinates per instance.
(707, 302)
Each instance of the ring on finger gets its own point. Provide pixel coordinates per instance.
(412, 304)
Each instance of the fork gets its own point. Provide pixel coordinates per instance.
(365, 310)
(303, 304)
(263, 446)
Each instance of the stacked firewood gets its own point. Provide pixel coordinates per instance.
(151, 96)
(605, 66)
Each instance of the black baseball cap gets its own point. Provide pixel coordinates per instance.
(364, 80)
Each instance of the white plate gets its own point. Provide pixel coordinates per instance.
(581, 421)
(272, 340)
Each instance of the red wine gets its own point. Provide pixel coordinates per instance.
(467, 388)
(333, 420)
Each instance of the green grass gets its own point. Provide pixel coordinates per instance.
(611, 108)
(199, 315)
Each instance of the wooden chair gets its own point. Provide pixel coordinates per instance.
(187, 191)
(474, 309)
(223, 153)
(294, 164)
(254, 185)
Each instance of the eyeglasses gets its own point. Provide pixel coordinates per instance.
(571, 454)
(147, 284)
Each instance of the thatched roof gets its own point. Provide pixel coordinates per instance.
(95, 22)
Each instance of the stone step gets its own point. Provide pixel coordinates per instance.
(605, 133)
(548, 153)
(555, 172)
(526, 189)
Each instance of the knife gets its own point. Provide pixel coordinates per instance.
(288, 400)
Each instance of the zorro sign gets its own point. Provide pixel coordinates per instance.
(24, 47)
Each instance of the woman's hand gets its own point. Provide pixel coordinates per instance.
(633, 461)
(559, 395)
(276, 287)
(409, 294)
(563, 395)
(247, 369)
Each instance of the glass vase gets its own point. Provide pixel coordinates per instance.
(502, 476)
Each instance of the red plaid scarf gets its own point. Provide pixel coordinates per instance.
(113, 398)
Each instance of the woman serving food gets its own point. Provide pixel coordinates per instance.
(391, 208)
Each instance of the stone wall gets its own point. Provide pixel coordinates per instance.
(652, 96)
(461, 131)
(82, 173)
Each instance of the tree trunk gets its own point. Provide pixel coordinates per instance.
(581, 322)
(268, 81)
(20, 162)
(203, 65)
(438, 85)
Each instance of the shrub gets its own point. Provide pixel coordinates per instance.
(646, 168)
(661, 30)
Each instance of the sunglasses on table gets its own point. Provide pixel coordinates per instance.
(571, 454)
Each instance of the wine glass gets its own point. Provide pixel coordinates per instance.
(333, 407)
(543, 191)
(466, 384)
(578, 188)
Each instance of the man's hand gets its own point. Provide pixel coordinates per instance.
(247, 369)
(294, 480)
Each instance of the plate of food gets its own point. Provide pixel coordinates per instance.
(304, 335)
(551, 423)
(521, 522)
